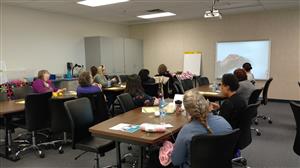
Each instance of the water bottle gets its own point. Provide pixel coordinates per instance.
(162, 113)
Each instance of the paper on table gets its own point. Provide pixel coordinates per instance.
(20, 102)
(150, 109)
(126, 127)
(209, 93)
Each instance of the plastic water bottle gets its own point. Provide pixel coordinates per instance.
(162, 113)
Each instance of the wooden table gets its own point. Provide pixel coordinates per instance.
(208, 93)
(139, 138)
(115, 88)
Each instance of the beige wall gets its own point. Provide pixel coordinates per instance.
(165, 43)
(33, 39)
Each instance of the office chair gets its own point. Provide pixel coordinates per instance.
(252, 100)
(99, 106)
(187, 84)
(245, 138)
(3, 96)
(80, 115)
(21, 92)
(213, 150)
(178, 87)
(37, 117)
(296, 110)
(151, 89)
(59, 121)
(126, 102)
(123, 78)
(264, 101)
(202, 81)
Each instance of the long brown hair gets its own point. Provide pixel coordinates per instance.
(134, 85)
(197, 107)
(162, 69)
(94, 71)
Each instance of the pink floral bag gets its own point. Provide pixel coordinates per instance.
(165, 153)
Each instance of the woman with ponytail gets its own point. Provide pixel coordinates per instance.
(202, 121)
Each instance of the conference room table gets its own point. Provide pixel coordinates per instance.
(209, 93)
(139, 138)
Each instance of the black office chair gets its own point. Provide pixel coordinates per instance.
(187, 84)
(202, 81)
(264, 101)
(80, 115)
(151, 89)
(296, 110)
(254, 98)
(3, 96)
(245, 138)
(126, 102)
(213, 150)
(123, 78)
(21, 92)
(37, 117)
(99, 106)
(178, 87)
(59, 121)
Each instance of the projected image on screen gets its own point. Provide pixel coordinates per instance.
(232, 55)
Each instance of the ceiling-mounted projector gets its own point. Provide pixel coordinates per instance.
(213, 14)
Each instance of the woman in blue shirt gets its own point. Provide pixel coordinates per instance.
(201, 122)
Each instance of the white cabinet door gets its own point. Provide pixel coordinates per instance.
(92, 52)
(106, 45)
(118, 56)
(133, 56)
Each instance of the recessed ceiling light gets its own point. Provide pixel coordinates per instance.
(94, 3)
(156, 15)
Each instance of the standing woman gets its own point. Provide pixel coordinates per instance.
(101, 78)
(247, 67)
(42, 84)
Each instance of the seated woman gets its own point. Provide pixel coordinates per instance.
(246, 87)
(86, 84)
(135, 89)
(42, 84)
(168, 89)
(145, 78)
(101, 77)
(201, 122)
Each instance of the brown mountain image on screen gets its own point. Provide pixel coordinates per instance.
(230, 62)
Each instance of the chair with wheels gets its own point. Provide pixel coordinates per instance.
(264, 102)
(296, 111)
(80, 115)
(59, 121)
(252, 100)
(123, 78)
(37, 117)
(245, 138)
(126, 102)
(21, 92)
(99, 106)
(178, 87)
(213, 150)
(202, 81)
(187, 84)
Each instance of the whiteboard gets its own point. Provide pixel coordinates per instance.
(192, 62)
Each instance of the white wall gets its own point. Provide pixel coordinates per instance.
(165, 43)
(33, 39)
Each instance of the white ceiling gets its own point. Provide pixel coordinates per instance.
(125, 13)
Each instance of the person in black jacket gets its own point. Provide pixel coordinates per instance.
(232, 108)
(144, 75)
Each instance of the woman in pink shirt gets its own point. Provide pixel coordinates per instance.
(42, 84)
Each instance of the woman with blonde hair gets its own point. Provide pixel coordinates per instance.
(101, 78)
(202, 121)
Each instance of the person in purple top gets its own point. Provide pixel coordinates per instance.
(42, 84)
(86, 84)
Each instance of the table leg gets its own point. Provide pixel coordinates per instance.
(141, 157)
(7, 140)
(118, 154)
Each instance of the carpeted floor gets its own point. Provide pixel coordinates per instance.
(273, 149)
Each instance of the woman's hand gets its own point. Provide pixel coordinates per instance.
(97, 84)
(61, 90)
(213, 106)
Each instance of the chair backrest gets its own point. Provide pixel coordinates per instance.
(37, 112)
(123, 78)
(151, 89)
(187, 84)
(21, 92)
(80, 115)
(245, 125)
(265, 91)
(99, 106)
(178, 87)
(213, 150)
(202, 81)
(126, 102)
(3, 96)
(296, 111)
(59, 118)
(254, 96)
